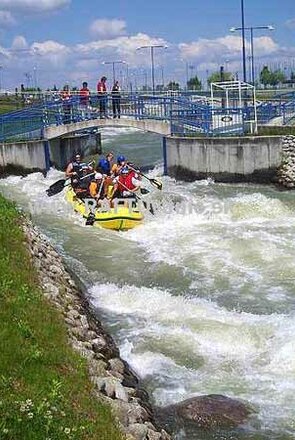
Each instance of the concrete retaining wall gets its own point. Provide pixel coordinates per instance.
(230, 159)
(29, 156)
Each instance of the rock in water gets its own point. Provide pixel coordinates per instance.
(205, 412)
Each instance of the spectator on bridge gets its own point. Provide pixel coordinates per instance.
(84, 100)
(66, 104)
(116, 100)
(102, 96)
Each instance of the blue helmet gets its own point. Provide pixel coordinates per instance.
(104, 165)
(121, 159)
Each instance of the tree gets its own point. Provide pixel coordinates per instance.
(267, 77)
(217, 77)
(277, 77)
(173, 85)
(194, 84)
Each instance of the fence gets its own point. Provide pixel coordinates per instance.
(187, 114)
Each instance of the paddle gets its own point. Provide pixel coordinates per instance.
(151, 210)
(58, 186)
(154, 182)
(91, 216)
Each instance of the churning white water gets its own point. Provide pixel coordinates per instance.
(201, 297)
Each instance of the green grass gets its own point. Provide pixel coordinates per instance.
(276, 130)
(44, 389)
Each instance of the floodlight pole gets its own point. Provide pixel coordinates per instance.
(243, 41)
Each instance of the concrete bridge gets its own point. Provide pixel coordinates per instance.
(160, 127)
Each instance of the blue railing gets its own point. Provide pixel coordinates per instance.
(187, 115)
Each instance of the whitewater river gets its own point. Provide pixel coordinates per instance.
(201, 297)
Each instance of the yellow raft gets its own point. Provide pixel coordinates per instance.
(120, 218)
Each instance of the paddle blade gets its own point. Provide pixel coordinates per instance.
(156, 183)
(152, 209)
(56, 187)
(90, 219)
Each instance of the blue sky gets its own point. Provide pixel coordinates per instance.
(65, 41)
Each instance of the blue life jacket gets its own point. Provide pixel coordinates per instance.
(104, 165)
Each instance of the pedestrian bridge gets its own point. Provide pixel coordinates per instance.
(181, 115)
(160, 127)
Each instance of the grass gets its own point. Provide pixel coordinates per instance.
(44, 389)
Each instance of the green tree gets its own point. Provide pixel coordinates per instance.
(216, 77)
(194, 84)
(277, 77)
(173, 85)
(269, 78)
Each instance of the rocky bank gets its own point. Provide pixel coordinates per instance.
(112, 378)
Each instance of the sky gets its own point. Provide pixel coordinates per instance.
(58, 42)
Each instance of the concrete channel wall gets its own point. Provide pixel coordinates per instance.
(225, 159)
(39, 155)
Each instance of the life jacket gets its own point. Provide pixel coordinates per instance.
(78, 168)
(127, 182)
(116, 169)
(101, 87)
(84, 96)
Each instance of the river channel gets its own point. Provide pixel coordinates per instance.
(201, 298)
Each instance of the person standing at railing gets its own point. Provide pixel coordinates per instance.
(116, 100)
(84, 100)
(102, 96)
(66, 104)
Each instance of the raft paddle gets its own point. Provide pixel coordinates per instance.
(58, 186)
(153, 181)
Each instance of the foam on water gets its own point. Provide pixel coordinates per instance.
(192, 346)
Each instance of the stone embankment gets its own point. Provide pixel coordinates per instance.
(286, 172)
(112, 378)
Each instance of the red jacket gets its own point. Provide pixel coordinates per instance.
(101, 87)
(127, 182)
(84, 95)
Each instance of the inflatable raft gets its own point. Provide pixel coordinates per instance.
(119, 218)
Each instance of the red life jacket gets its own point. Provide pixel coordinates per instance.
(127, 182)
(101, 87)
(84, 95)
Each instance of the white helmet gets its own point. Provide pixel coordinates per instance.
(97, 176)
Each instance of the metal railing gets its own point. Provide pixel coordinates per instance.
(187, 114)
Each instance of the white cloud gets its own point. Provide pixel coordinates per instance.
(124, 47)
(106, 29)
(33, 5)
(228, 47)
(290, 24)
(6, 19)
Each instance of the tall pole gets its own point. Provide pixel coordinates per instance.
(252, 55)
(153, 69)
(243, 41)
(114, 76)
(151, 47)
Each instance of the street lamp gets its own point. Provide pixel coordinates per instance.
(1, 70)
(251, 29)
(152, 47)
(113, 64)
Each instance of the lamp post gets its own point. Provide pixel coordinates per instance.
(251, 29)
(1, 70)
(152, 47)
(113, 63)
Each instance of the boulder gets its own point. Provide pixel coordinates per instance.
(204, 412)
